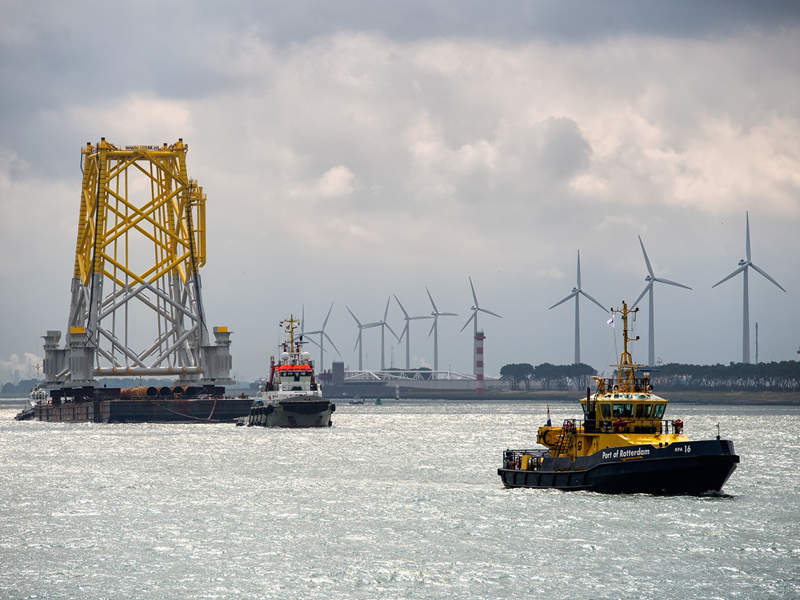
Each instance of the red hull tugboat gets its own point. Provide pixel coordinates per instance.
(622, 445)
(292, 397)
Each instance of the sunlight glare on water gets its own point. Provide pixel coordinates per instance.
(394, 501)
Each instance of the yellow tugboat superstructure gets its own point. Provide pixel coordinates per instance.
(623, 411)
(623, 443)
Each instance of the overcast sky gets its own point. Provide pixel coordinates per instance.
(355, 150)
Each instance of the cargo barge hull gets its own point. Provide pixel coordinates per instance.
(145, 410)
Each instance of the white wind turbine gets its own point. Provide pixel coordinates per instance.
(475, 310)
(744, 264)
(384, 325)
(406, 332)
(358, 344)
(576, 293)
(322, 337)
(435, 330)
(651, 279)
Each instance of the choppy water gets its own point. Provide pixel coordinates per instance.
(398, 501)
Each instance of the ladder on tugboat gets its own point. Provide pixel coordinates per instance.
(564, 439)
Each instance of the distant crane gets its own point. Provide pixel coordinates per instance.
(744, 265)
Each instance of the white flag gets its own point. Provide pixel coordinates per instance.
(610, 322)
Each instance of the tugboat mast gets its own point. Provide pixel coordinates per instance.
(626, 368)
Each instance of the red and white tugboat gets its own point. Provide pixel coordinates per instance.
(292, 397)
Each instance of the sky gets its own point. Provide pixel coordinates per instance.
(355, 150)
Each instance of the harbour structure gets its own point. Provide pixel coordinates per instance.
(322, 337)
(435, 330)
(576, 293)
(406, 330)
(623, 444)
(478, 338)
(651, 279)
(744, 265)
(136, 304)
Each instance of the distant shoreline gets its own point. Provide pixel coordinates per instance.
(555, 396)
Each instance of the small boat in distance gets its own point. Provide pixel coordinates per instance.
(38, 394)
(622, 445)
(292, 397)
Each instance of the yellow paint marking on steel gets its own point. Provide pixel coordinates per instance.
(171, 218)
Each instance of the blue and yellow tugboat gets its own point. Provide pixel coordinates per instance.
(623, 444)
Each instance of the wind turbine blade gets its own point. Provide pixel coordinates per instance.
(312, 332)
(419, 318)
(572, 295)
(402, 333)
(386, 312)
(327, 337)
(579, 269)
(313, 341)
(593, 300)
(747, 242)
(669, 282)
(433, 326)
(448, 314)
(433, 304)
(302, 318)
(358, 339)
(764, 273)
(644, 291)
(401, 307)
(392, 330)
(468, 320)
(474, 296)
(488, 312)
(736, 272)
(352, 315)
(325, 322)
(646, 260)
(371, 325)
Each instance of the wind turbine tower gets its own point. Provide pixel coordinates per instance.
(435, 330)
(651, 279)
(477, 355)
(406, 331)
(744, 265)
(322, 337)
(576, 293)
(358, 344)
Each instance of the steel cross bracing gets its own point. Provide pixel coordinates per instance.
(141, 239)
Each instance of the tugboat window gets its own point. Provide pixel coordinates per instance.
(658, 411)
(623, 410)
(643, 410)
(606, 410)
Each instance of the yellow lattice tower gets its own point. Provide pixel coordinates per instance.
(141, 237)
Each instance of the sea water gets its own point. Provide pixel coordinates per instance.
(395, 501)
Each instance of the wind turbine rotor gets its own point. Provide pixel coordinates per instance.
(764, 273)
(572, 295)
(592, 299)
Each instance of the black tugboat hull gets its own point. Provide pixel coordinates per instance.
(292, 414)
(704, 471)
